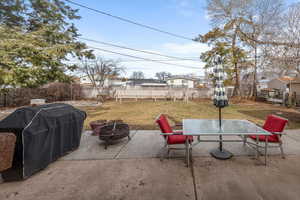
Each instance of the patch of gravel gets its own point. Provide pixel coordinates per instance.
(4, 113)
(81, 103)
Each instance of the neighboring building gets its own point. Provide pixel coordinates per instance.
(84, 80)
(114, 82)
(202, 82)
(146, 83)
(181, 82)
(262, 84)
(281, 83)
(262, 81)
(295, 87)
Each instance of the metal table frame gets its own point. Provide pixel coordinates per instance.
(253, 145)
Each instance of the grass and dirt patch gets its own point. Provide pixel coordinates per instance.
(141, 114)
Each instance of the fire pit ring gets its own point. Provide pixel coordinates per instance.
(98, 124)
(113, 131)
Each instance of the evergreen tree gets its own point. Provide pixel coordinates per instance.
(37, 37)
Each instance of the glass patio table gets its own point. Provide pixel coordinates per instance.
(229, 127)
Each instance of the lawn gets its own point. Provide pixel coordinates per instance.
(141, 114)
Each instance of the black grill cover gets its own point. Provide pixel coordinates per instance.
(44, 134)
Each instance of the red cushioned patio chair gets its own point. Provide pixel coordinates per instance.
(173, 137)
(275, 125)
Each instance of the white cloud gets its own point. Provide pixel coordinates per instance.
(207, 16)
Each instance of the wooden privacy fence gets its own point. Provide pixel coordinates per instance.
(51, 93)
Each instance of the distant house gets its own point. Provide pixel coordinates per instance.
(295, 85)
(181, 82)
(262, 80)
(262, 84)
(146, 83)
(114, 82)
(281, 83)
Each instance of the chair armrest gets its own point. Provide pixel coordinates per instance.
(279, 133)
(177, 125)
(166, 134)
(174, 133)
(177, 133)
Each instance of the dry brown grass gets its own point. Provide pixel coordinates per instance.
(141, 114)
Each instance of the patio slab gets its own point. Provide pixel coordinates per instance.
(124, 179)
(290, 145)
(149, 143)
(144, 144)
(91, 148)
(241, 178)
(127, 170)
(294, 134)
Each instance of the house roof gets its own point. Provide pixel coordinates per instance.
(267, 89)
(154, 84)
(286, 79)
(141, 81)
(296, 80)
(180, 77)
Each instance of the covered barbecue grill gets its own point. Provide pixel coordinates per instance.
(44, 134)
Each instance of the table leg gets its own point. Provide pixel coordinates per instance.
(257, 149)
(198, 138)
(191, 154)
(266, 148)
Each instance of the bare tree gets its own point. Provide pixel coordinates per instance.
(287, 58)
(99, 71)
(138, 75)
(262, 16)
(261, 27)
(163, 75)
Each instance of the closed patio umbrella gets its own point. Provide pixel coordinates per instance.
(220, 100)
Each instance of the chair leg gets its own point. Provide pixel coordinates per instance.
(191, 154)
(168, 153)
(105, 144)
(187, 153)
(244, 140)
(257, 149)
(281, 150)
(163, 151)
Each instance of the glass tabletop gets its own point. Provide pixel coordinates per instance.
(228, 127)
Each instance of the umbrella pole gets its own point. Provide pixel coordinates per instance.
(221, 153)
(220, 126)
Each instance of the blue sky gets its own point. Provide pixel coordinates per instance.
(184, 17)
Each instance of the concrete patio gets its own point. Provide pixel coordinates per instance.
(131, 170)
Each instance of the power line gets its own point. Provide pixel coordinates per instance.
(147, 59)
(139, 60)
(160, 60)
(131, 21)
(132, 49)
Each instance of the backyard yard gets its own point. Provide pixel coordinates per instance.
(141, 114)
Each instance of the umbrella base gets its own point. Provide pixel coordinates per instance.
(221, 155)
